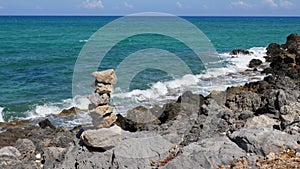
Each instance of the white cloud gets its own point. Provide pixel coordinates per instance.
(279, 3)
(271, 3)
(92, 4)
(128, 5)
(179, 5)
(285, 3)
(241, 3)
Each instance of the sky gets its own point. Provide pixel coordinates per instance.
(175, 7)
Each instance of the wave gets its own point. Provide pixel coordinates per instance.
(213, 79)
(1, 116)
(231, 74)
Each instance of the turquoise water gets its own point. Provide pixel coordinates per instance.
(38, 54)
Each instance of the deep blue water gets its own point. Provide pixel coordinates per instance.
(38, 53)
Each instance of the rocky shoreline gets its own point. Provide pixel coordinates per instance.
(252, 126)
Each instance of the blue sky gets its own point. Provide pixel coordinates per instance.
(176, 7)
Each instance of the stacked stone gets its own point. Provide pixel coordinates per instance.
(101, 112)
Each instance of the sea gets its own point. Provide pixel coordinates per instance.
(38, 55)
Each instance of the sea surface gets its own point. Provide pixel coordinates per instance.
(38, 55)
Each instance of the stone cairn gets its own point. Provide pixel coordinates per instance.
(101, 112)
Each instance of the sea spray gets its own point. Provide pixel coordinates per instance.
(1, 116)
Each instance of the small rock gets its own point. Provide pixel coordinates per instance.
(69, 112)
(46, 123)
(101, 122)
(103, 88)
(103, 110)
(255, 63)
(240, 51)
(98, 99)
(105, 138)
(106, 76)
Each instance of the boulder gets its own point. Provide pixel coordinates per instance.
(105, 138)
(207, 153)
(262, 141)
(106, 76)
(255, 63)
(141, 115)
(99, 99)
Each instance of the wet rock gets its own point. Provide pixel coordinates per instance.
(46, 123)
(106, 76)
(262, 141)
(105, 138)
(98, 99)
(69, 112)
(240, 51)
(255, 63)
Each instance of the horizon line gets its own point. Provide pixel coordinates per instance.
(112, 15)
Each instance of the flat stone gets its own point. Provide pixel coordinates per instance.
(98, 99)
(103, 110)
(262, 120)
(106, 76)
(103, 88)
(262, 141)
(105, 138)
(102, 122)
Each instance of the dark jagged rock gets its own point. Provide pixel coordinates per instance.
(255, 63)
(285, 58)
(240, 51)
(46, 123)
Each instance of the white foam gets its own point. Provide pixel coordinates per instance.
(83, 41)
(163, 92)
(57, 107)
(212, 79)
(1, 116)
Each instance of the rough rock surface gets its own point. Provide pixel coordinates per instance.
(106, 76)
